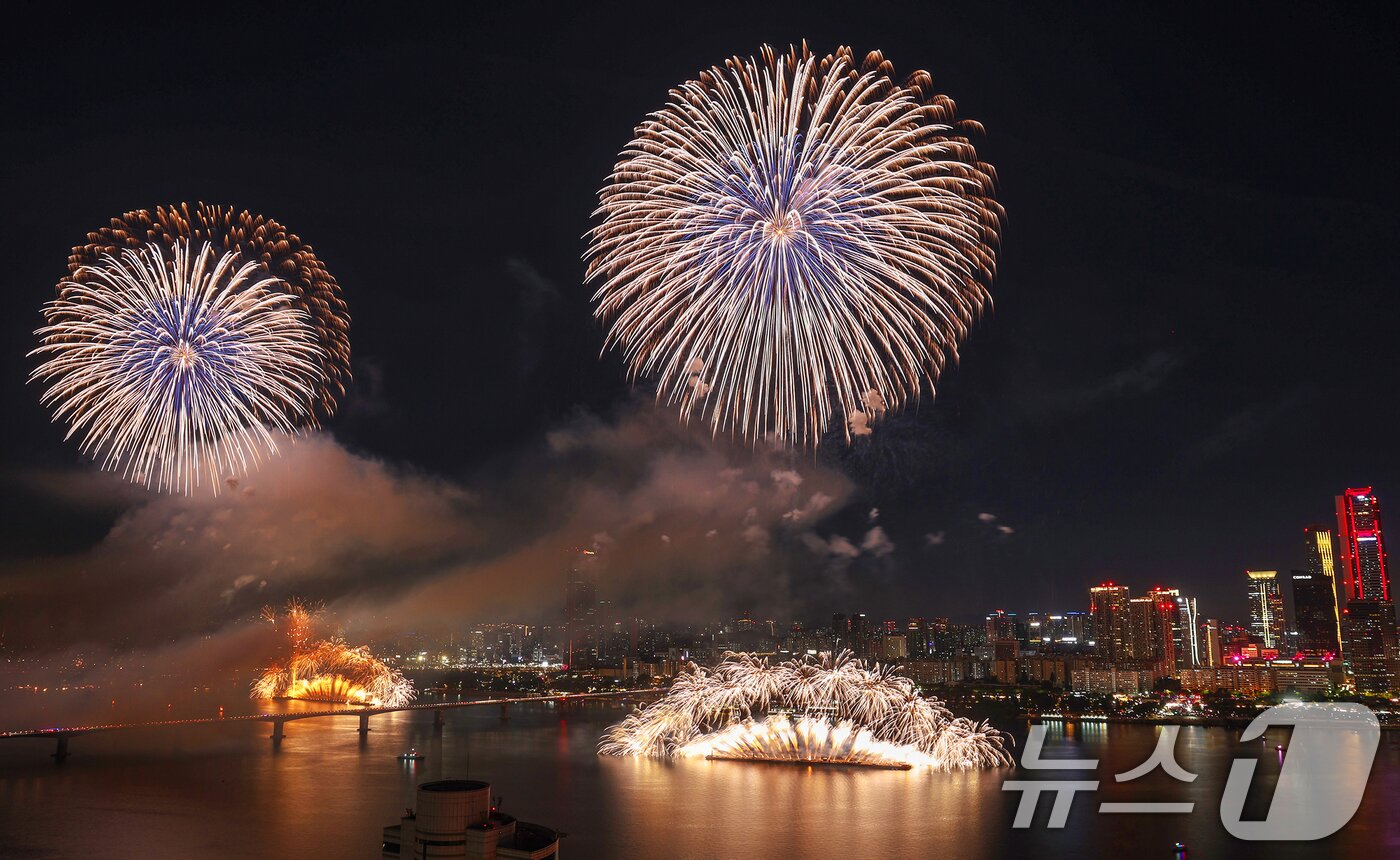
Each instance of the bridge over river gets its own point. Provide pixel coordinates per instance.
(62, 734)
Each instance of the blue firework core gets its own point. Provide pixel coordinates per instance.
(185, 350)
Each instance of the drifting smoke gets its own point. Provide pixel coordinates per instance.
(380, 544)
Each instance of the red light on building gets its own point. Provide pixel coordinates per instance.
(1364, 571)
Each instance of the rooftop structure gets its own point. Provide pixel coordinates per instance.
(455, 818)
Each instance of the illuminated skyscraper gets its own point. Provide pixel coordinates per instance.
(581, 610)
(1316, 607)
(1212, 653)
(1315, 614)
(1150, 628)
(1108, 604)
(1185, 628)
(1363, 547)
(1369, 632)
(1266, 607)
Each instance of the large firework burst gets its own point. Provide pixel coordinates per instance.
(175, 365)
(257, 239)
(327, 670)
(792, 237)
(832, 709)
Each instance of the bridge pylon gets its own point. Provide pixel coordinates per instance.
(61, 754)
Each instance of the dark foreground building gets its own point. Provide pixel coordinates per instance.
(454, 818)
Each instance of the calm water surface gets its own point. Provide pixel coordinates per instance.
(223, 792)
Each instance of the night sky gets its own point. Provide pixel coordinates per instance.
(1190, 352)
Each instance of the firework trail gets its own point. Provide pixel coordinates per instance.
(257, 239)
(831, 709)
(175, 366)
(792, 238)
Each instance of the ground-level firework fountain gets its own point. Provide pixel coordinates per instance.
(328, 670)
(828, 710)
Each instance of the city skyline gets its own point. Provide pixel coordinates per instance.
(1161, 621)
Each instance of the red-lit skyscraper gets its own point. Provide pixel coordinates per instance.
(1370, 648)
(1363, 549)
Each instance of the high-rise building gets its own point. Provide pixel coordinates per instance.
(1266, 619)
(1185, 633)
(1371, 645)
(1036, 626)
(1212, 652)
(1369, 634)
(1150, 620)
(1108, 604)
(1000, 625)
(945, 638)
(1072, 629)
(1320, 551)
(1184, 623)
(1315, 614)
(1054, 632)
(840, 626)
(1363, 548)
(894, 646)
(581, 610)
(855, 632)
(863, 638)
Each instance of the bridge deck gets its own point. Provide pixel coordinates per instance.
(289, 716)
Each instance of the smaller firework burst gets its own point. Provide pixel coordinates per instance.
(176, 366)
(327, 670)
(829, 710)
(278, 253)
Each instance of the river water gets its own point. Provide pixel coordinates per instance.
(223, 791)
